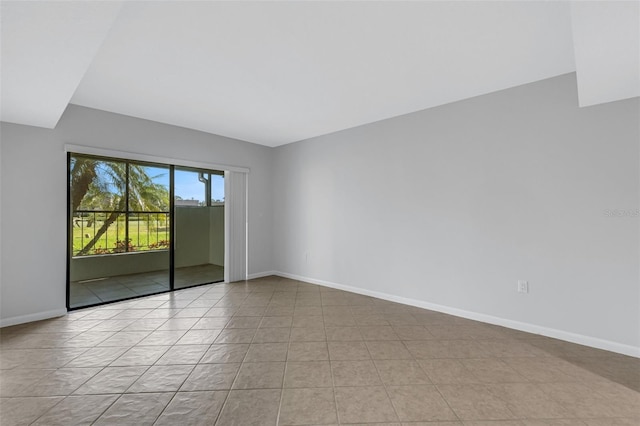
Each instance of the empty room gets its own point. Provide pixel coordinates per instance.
(320, 213)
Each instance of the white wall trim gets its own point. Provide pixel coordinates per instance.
(262, 274)
(38, 316)
(89, 150)
(516, 325)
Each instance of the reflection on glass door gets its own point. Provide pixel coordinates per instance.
(199, 227)
(119, 229)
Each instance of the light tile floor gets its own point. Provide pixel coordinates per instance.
(276, 351)
(109, 289)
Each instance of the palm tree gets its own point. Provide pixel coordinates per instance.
(101, 185)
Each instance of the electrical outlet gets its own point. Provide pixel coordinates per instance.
(523, 286)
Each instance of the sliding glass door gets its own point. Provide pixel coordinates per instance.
(199, 227)
(130, 226)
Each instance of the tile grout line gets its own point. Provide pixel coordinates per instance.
(283, 300)
(333, 383)
(286, 362)
(156, 364)
(222, 407)
(230, 386)
(435, 386)
(384, 386)
(64, 366)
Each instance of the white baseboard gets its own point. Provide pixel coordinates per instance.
(21, 319)
(261, 275)
(516, 325)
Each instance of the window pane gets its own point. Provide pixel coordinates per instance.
(189, 190)
(148, 231)
(217, 189)
(148, 188)
(98, 233)
(97, 184)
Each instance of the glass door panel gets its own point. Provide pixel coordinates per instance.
(198, 227)
(119, 225)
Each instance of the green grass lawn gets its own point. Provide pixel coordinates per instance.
(144, 233)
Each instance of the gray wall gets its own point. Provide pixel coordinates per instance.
(192, 236)
(450, 206)
(199, 237)
(33, 196)
(216, 240)
(454, 204)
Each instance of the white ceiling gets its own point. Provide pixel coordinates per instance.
(46, 49)
(607, 49)
(279, 72)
